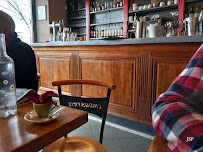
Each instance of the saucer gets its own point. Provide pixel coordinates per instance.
(32, 117)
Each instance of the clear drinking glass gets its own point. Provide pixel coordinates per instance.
(8, 104)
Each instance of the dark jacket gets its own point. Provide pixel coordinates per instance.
(25, 64)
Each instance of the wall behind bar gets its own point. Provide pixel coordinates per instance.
(55, 11)
(42, 25)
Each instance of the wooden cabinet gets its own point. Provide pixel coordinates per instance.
(141, 72)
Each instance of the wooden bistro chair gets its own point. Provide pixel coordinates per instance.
(158, 145)
(99, 107)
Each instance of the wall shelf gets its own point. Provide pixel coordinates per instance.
(160, 8)
(77, 18)
(107, 10)
(82, 9)
(78, 26)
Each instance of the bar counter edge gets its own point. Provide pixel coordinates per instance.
(177, 39)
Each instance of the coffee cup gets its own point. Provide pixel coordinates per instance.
(140, 7)
(150, 6)
(130, 18)
(135, 6)
(162, 4)
(145, 7)
(170, 2)
(43, 110)
(175, 1)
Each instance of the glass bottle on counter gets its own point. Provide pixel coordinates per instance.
(8, 104)
(59, 35)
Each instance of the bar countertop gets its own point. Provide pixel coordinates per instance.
(177, 39)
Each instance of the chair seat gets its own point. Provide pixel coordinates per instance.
(158, 145)
(72, 144)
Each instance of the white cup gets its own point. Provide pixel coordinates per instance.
(170, 2)
(130, 18)
(135, 6)
(145, 7)
(175, 1)
(150, 6)
(162, 4)
(140, 7)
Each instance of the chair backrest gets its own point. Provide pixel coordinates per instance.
(98, 106)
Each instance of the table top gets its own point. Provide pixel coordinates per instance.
(19, 135)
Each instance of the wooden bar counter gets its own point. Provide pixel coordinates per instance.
(141, 71)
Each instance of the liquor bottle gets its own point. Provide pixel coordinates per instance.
(102, 31)
(103, 6)
(59, 36)
(96, 7)
(91, 6)
(118, 3)
(8, 104)
(191, 13)
(100, 6)
(92, 32)
(108, 6)
(121, 3)
(95, 34)
(114, 4)
(111, 4)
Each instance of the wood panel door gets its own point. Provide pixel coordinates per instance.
(119, 72)
(52, 68)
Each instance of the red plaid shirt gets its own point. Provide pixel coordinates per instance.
(178, 113)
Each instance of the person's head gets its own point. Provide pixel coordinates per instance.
(7, 26)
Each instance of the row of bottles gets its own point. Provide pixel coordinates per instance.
(104, 31)
(193, 12)
(94, 6)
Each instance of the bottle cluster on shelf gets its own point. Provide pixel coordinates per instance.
(105, 31)
(78, 23)
(77, 15)
(98, 6)
(194, 12)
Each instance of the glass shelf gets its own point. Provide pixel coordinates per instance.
(159, 8)
(107, 38)
(102, 11)
(81, 34)
(78, 26)
(77, 18)
(104, 23)
(82, 9)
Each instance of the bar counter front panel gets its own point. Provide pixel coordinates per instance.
(141, 72)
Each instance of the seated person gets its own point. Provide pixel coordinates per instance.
(177, 115)
(21, 53)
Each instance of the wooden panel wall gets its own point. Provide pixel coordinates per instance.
(141, 72)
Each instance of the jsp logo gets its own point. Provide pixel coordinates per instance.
(190, 139)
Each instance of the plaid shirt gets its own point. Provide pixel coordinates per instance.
(177, 115)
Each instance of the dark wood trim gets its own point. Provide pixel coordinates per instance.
(34, 28)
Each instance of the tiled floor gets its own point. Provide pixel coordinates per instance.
(120, 135)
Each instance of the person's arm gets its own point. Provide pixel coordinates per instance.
(177, 113)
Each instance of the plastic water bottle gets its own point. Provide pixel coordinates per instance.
(8, 104)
